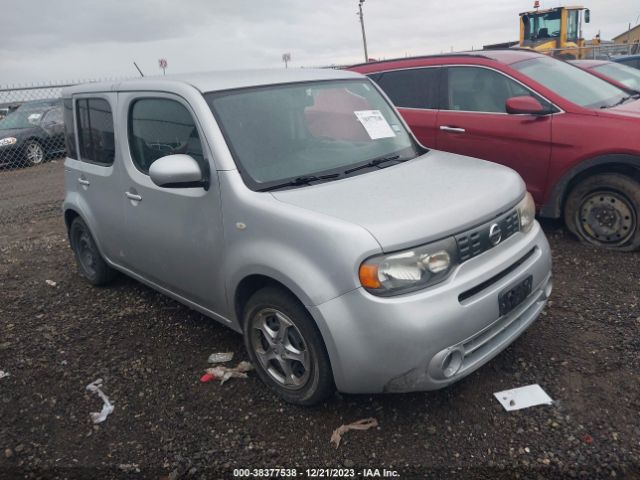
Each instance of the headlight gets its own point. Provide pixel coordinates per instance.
(409, 270)
(7, 141)
(527, 213)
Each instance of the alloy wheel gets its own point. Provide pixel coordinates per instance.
(280, 348)
(35, 153)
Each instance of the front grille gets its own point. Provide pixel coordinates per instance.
(479, 240)
(496, 278)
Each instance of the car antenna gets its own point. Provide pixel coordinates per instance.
(138, 68)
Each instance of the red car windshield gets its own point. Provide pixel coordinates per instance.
(628, 76)
(571, 82)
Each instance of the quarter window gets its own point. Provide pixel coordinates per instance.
(95, 131)
(159, 127)
(473, 89)
(414, 88)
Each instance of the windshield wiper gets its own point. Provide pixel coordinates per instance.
(376, 163)
(619, 102)
(303, 180)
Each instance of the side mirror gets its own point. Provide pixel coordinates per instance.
(177, 171)
(525, 105)
(587, 16)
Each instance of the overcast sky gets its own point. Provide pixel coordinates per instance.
(71, 39)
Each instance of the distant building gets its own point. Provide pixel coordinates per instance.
(630, 36)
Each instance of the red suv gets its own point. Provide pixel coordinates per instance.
(573, 137)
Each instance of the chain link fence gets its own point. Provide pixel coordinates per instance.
(32, 149)
(606, 51)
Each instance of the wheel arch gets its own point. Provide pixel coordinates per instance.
(249, 285)
(623, 164)
(69, 216)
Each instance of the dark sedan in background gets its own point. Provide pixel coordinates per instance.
(628, 60)
(32, 133)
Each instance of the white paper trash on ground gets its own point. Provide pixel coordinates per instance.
(107, 406)
(523, 397)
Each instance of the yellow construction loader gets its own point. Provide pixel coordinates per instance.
(556, 31)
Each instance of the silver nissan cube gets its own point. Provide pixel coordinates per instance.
(298, 209)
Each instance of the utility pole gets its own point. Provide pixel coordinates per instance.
(364, 36)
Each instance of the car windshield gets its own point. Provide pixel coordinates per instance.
(288, 133)
(629, 77)
(21, 119)
(571, 82)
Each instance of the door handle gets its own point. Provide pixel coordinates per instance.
(446, 128)
(82, 181)
(133, 196)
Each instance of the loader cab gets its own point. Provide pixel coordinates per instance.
(555, 28)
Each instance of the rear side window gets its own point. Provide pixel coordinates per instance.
(69, 130)
(159, 127)
(95, 131)
(415, 88)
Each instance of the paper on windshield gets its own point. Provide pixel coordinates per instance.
(375, 124)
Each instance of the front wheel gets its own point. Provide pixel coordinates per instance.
(603, 210)
(34, 153)
(286, 347)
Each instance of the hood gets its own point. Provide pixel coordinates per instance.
(425, 199)
(14, 132)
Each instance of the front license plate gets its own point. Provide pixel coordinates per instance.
(510, 299)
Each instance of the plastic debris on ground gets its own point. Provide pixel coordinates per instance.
(364, 424)
(51, 283)
(107, 407)
(3, 374)
(523, 397)
(223, 373)
(220, 357)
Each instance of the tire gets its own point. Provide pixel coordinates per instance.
(34, 153)
(89, 259)
(306, 379)
(604, 210)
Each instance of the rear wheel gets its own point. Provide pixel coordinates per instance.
(286, 347)
(91, 263)
(603, 210)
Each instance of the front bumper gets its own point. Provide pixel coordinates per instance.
(404, 343)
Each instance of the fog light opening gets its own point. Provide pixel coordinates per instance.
(451, 363)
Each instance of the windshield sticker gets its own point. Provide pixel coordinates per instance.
(375, 124)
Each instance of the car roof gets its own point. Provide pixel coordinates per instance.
(216, 81)
(506, 56)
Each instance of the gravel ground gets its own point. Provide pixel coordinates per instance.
(150, 352)
(30, 193)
